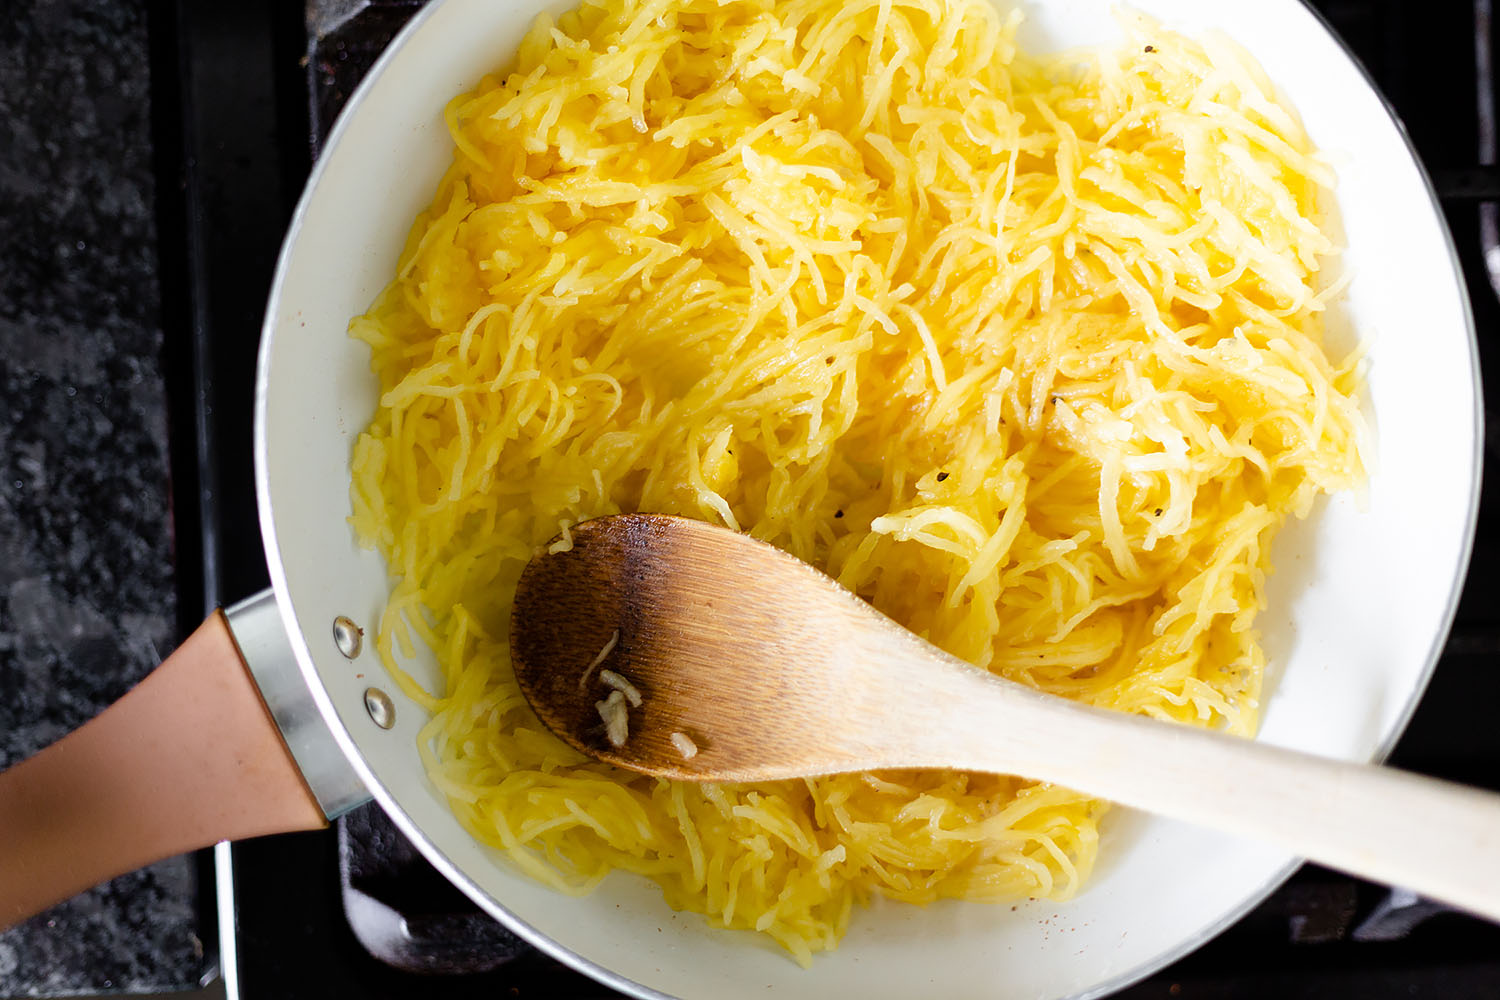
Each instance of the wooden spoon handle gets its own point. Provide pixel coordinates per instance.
(1431, 836)
(187, 758)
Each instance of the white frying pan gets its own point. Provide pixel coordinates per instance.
(1359, 605)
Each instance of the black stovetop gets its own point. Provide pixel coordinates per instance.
(259, 86)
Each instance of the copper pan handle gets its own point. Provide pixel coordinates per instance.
(190, 756)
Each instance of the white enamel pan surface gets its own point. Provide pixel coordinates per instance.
(1359, 604)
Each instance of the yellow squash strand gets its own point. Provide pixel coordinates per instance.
(1025, 352)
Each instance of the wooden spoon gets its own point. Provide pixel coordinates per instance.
(733, 661)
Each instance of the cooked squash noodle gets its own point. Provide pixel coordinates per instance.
(1024, 351)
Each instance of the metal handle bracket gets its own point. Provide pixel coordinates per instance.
(259, 632)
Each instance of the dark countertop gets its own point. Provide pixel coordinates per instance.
(87, 598)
